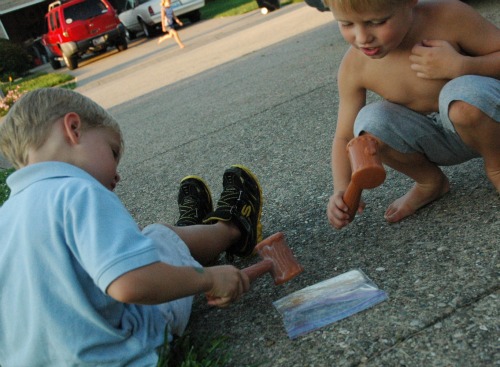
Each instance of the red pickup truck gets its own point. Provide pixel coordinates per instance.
(77, 27)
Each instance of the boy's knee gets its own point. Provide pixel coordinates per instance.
(380, 143)
(383, 149)
(369, 115)
(464, 115)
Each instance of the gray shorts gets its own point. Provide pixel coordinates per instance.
(433, 135)
(173, 251)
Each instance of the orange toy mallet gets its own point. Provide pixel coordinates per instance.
(277, 259)
(367, 170)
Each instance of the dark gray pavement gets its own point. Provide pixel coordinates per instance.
(264, 95)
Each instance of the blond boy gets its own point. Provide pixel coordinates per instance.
(436, 64)
(82, 284)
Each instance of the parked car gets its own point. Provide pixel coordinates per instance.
(77, 27)
(145, 15)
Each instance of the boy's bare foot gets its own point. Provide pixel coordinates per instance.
(494, 177)
(418, 196)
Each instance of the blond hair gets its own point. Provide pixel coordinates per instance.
(30, 119)
(363, 5)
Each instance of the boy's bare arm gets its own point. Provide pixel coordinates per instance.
(159, 283)
(352, 97)
(477, 49)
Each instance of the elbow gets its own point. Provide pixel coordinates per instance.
(124, 291)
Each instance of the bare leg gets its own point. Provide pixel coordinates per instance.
(430, 182)
(172, 33)
(207, 242)
(481, 133)
(177, 38)
(164, 37)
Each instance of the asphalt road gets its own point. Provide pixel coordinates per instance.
(261, 91)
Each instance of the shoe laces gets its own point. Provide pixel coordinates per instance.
(234, 208)
(231, 193)
(188, 208)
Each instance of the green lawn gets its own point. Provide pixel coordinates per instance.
(12, 91)
(39, 80)
(227, 8)
(4, 190)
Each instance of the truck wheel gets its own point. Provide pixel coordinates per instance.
(56, 64)
(129, 34)
(148, 31)
(71, 61)
(194, 16)
(121, 44)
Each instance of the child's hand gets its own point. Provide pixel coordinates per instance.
(229, 284)
(435, 59)
(337, 210)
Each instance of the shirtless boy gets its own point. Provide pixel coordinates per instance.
(438, 75)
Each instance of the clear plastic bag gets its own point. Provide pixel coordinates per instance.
(328, 301)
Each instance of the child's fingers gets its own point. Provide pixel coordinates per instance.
(337, 211)
(361, 207)
(229, 284)
(218, 301)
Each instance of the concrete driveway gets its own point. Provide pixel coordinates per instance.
(264, 95)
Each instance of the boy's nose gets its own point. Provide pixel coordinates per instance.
(363, 36)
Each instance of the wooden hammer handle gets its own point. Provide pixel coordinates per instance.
(258, 269)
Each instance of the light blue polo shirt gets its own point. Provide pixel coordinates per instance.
(64, 238)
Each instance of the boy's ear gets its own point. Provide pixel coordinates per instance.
(72, 126)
